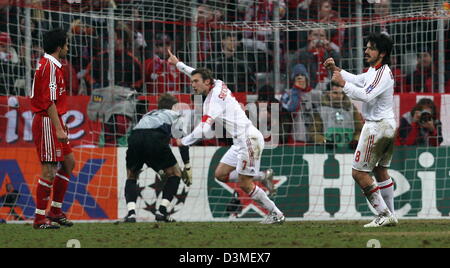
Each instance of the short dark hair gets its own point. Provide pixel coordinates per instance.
(53, 39)
(426, 102)
(383, 43)
(205, 73)
(166, 101)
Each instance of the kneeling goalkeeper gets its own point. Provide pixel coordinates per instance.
(149, 144)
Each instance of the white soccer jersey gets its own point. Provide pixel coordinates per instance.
(219, 106)
(375, 88)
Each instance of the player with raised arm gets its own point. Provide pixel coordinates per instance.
(48, 102)
(375, 88)
(244, 156)
(149, 144)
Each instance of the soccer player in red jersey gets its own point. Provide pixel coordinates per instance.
(48, 101)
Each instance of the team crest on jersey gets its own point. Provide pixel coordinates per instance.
(369, 89)
(53, 86)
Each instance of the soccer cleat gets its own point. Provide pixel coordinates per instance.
(382, 221)
(164, 218)
(273, 218)
(61, 219)
(394, 222)
(130, 219)
(46, 225)
(268, 182)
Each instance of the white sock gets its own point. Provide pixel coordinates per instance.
(373, 194)
(234, 176)
(387, 192)
(131, 206)
(261, 197)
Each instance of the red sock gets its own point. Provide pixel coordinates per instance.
(43, 192)
(59, 190)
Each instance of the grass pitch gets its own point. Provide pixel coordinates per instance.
(230, 235)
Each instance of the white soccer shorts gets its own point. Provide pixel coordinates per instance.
(375, 146)
(246, 154)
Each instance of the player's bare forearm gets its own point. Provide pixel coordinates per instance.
(53, 114)
(60, 133)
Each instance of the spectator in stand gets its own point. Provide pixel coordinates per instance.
(127, 68)
(424, 78)
(7, 52)
(232, 66)
(299, 9)
(326, 14)
(266, 97)
(76, 5)
(70, 78)
(9, 64)
(160, 76)
(298, 102)
(319, 48)
(399, 76)
(259, 42)
(8, 19)
(341, 121)
(420, 127)
(382, 9)
(207, 19)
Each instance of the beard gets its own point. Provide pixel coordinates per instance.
(371, 60)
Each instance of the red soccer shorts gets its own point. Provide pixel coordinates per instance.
(48, 147)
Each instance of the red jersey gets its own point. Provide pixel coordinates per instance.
(48, 87)
(161, 76)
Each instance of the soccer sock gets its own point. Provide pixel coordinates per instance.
(261, 197)
(59, 190)
(169, 191)
(131, 195)
(261, 175)
(234, 176)
(387, 192)
(373, 194)
(43, 192)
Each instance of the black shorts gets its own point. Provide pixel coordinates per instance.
(150, 147)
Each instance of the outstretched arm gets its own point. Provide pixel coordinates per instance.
(180, 65)
(204, 129)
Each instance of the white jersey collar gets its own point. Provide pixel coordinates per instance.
(53, 59)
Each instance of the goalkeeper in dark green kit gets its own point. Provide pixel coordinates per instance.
(149, 144)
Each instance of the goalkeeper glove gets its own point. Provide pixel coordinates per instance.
(186, 174)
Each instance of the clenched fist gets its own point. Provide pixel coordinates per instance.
(337, 79)
(331, 65)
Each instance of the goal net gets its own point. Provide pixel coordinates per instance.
(270, 55)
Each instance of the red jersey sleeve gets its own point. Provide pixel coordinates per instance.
(44, 88)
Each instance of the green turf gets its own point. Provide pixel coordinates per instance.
(231, 235)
